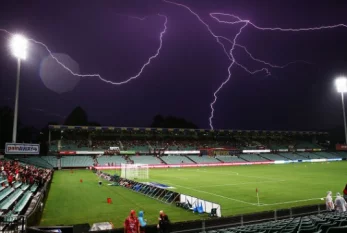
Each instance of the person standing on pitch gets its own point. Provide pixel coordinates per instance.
(340, 203)
(329, 201)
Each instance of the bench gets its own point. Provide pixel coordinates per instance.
(5, 193)
(17, 185)
(5, 205)
(22, 202)
(24, 187)
(33, 188)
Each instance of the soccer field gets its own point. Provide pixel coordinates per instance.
(234, 188)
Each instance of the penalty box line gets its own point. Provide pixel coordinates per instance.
(213, 194)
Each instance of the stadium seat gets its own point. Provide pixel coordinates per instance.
(76, 161)
(17, 185)
(176, 159)
(5, 204)
(5, 193)
(337, 229)
(116, 159)
(203, 159)
(144, 159)
(22, 202)
(33, 188)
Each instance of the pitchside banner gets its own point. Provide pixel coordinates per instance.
(22, 148)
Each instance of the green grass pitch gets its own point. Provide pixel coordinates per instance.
(234, 188)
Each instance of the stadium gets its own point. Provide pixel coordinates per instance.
(193, 80)
(203, 179)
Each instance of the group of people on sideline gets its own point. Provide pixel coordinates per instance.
(339, 205)
(133, 224)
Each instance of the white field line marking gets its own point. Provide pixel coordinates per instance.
(225, 173)
(213, 194)
(233, 184)
(296, 201)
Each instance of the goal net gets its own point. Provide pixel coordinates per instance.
(134, 171)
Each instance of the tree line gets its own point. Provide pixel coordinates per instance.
(77, 117)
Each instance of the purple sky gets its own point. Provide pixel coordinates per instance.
(100, 38)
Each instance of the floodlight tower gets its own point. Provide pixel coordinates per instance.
(19, 45)
(341, 86)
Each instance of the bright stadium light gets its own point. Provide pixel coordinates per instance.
(341, 86)
(19, 46)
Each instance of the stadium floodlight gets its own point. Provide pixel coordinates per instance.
(341, 86)
(19, 46)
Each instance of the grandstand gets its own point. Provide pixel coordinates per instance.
(16, 194)
(176, 159)
(76, 161)
(87, 147)
(146, 159)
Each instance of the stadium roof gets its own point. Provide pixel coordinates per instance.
(132, 129)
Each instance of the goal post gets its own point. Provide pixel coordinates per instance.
(134, 171)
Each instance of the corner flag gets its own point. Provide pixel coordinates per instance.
(256, 190)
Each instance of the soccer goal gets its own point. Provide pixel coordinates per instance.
(134, 171)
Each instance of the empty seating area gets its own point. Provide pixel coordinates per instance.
(203, 159)
(5, 204)
(176, 159)
(144, 159)
(341, 154)
(293, 156)
(327, 155)
(230, 159)
(22, 202)
(310, 155)
(253, 158)
(52, 160)
(321, 223)
(76, 161)
(105, 159)
(274, 157)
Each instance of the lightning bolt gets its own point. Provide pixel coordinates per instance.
(213, 15)
(148, 62)
(237, 21)
(133, 17)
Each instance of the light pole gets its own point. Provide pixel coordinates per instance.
(19, 45)
(341, 86)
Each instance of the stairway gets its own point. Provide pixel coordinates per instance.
(219, 160)
(284, 156)
(190, 159)
(162, 161)
(263, 157)
(59, 163)
(149, 145)
(121, 145)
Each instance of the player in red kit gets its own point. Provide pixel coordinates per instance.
(131, 223)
